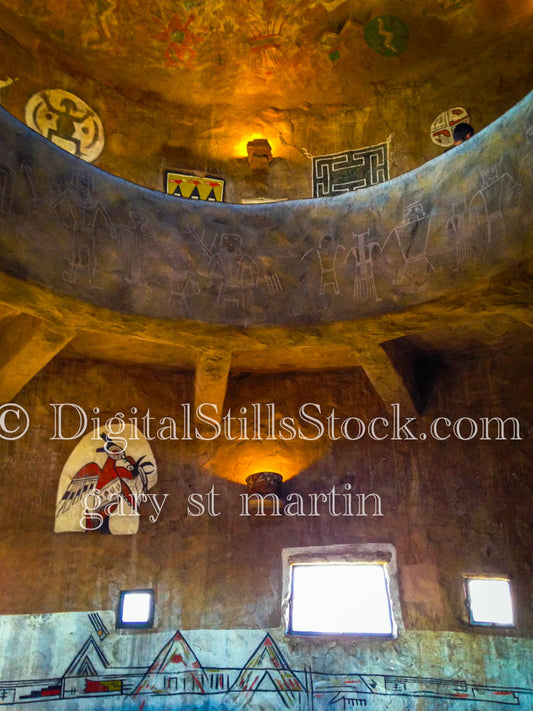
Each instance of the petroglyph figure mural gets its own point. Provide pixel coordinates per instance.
(233, 270)
(488, 204)
(387, 35)
(183, 285)
(412, 238)
(136, 240)
(67, 121)
(350, 170)
(526, 163)
(459, 230)
(142, 252)
(328, 255)
(81, 213)
(229, 271)
(7, 178)
(104, 481)
(441, 130)
(361, 251)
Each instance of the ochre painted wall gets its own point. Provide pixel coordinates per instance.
(450, 508)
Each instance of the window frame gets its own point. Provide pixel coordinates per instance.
(468, 603)
(353, 553)
(148, 624)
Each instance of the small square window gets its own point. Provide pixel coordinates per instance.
(348, 590)
(136, 609)
(489, 601)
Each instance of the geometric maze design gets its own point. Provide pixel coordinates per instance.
(350, 170)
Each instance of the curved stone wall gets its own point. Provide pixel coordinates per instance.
(458, 220)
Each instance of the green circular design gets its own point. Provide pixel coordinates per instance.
(387, 35)
(178, 36)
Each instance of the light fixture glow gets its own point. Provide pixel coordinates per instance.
(259, 152)
(340, 599)
(489, 601)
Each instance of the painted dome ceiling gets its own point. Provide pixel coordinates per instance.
(178, 80)
(269, 53)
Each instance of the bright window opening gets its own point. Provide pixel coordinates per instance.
(489, 601)
(340, 598)
(136, 609)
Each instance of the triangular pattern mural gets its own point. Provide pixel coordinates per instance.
(176, 668)
(267, 670)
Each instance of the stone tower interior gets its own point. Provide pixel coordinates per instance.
(260, 318)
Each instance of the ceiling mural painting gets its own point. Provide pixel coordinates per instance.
(387, 35)
(186, 85)
(223, 45)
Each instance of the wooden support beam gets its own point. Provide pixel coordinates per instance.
(385, 379)
(211, 381)
(27, 344)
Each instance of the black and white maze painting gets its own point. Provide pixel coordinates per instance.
(350, 170)
(265, 677)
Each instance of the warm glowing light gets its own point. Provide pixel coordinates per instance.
(339, 598)
(490, 601)
(241, 151)
(238, 460)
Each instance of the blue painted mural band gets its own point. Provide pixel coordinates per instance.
(229, 669)
(455, 222)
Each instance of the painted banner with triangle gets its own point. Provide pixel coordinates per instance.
(194, 187)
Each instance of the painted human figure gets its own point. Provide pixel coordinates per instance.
(526, 164)
(327, 254)
(412, 237)
(234, 269)
(7, 181)
(364, 286)
(458, 230)
(180, 288)
(66, 121)
(487, 206)
(80, 211)
(138, 239)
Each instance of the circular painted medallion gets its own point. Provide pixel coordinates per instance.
(442, 127)
(387, 35)
(67, 121)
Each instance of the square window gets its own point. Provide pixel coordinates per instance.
(335, 598)
(489, 601)
(136, 609)
(348, 590)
